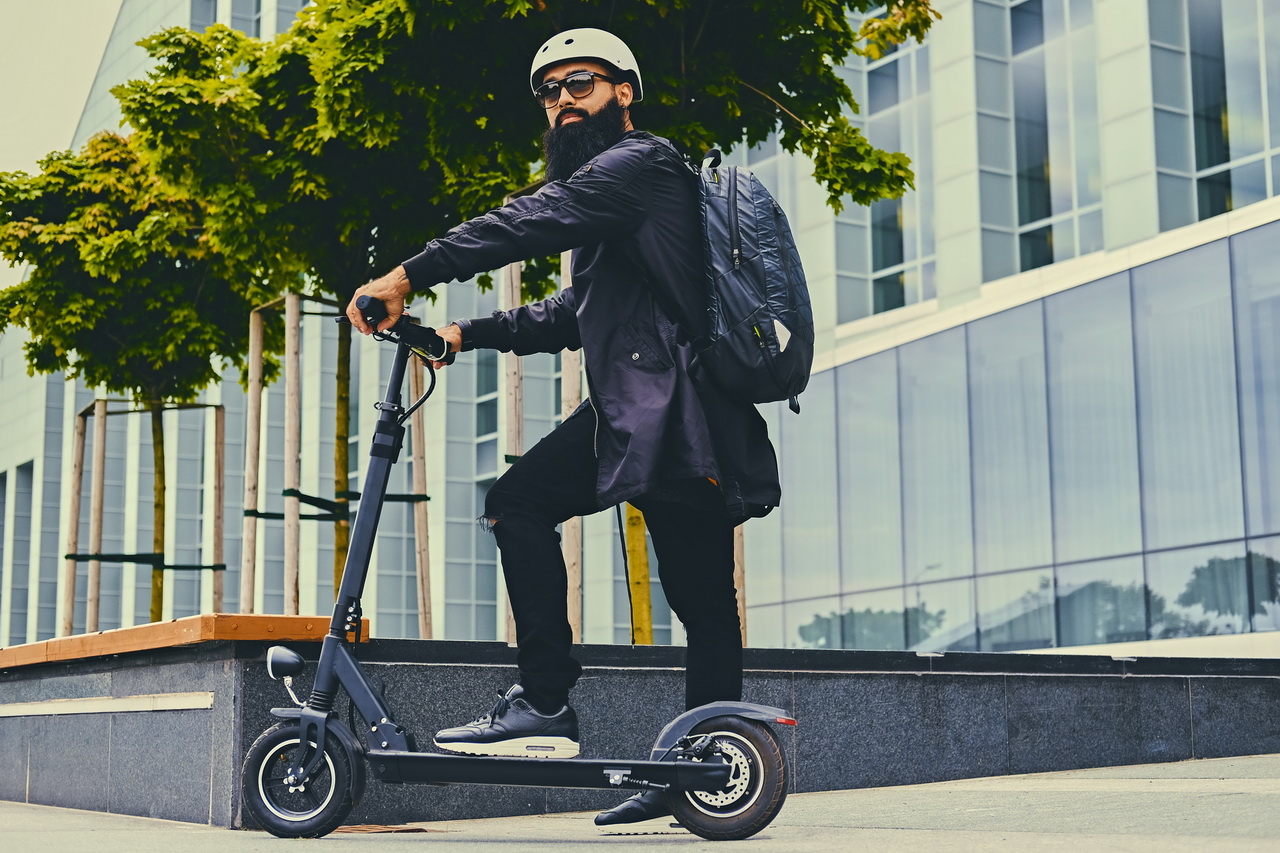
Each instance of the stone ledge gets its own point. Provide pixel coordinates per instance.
(204, 628)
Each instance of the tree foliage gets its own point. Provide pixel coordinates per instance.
(337, 149)
(124, 290)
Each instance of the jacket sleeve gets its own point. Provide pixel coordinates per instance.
(604, 198)
(547, 326)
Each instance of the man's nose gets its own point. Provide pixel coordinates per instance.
(566, 99)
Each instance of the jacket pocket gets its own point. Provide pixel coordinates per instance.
(636, 351)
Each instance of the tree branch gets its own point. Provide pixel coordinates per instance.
(768, 97)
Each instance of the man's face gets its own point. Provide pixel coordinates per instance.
(583, 126)
(570, 109)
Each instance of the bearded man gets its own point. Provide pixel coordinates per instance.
(653, 430)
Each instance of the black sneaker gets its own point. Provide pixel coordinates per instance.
(515, 728)
(643, 806)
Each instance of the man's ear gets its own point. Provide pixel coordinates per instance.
(625, 94)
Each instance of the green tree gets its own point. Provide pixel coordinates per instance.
(123, 291)
(338, 148)
(334, 151)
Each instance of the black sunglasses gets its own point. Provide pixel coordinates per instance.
(578, 85)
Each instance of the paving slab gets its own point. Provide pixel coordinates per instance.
(1225, 804)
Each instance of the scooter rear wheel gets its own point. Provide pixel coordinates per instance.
(315, 808)
(757, 784)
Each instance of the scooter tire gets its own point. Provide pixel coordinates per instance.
(757, 783)
(308, 811)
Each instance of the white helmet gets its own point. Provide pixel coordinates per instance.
(586, 43)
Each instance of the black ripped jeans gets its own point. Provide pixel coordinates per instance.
(692, 537)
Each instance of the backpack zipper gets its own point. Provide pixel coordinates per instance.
(735, 238)
(786, 256)
(766, 356)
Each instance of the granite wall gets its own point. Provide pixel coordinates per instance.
(866, 719)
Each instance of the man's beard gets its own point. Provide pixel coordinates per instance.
(567, 148)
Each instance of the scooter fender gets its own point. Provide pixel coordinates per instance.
(352, 745)
(680, 726)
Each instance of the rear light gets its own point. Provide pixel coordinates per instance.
(786, 721)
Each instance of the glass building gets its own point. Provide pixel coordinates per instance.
(1044, 401)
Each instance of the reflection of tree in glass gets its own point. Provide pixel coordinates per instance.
(1217, 586)
(869, 629)
(1266, 592)
(1220, 587)
(1097, 612)
(1102, 612)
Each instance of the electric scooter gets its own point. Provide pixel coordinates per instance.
(719, 765)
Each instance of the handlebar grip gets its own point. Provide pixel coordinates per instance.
(372, 310)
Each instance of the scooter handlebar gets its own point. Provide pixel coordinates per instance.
(422, 338)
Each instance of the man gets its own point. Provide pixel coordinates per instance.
(653, 431)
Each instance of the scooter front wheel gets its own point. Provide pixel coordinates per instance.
(311, 809)
(757, 784)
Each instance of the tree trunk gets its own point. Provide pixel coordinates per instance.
(341, 456)
(638, 578)
(156, 407)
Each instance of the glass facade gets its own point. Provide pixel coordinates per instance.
(1093, 466)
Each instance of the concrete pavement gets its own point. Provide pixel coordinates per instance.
(1227, 804)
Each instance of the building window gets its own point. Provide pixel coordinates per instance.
(881, 255)
(246, 16)
(1217, 89)
(20, 567)
(204, 14)
(1057, 164)
(287, 13)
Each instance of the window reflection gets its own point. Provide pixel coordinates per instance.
(935, 458)
(940, 617)
(810, 518)
(1031, 138)
(1197, 592)
(882, 87)
(1264, 584)
(1026, 25)
(813, 624)
(888, 292)
(873, 620)
(1015, 611)
(1010, 440)
(1231, 188)
(764, 627)
(1102, 602)
(1271, 50)
(1093, 421)
(870, 474)
(1257, 283)
(1189, 435)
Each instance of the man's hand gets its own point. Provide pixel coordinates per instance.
(392, 288)
(452, 336)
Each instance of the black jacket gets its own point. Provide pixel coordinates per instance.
(637, 301)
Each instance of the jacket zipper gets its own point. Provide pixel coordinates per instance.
(735, 239)
(591, 401)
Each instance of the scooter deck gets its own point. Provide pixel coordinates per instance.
(435, 768)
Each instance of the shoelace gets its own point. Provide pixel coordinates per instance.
(493, 714)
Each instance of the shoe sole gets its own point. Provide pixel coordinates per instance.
(523, 747)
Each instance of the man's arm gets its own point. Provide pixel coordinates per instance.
(550, 325)
(604, 199)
